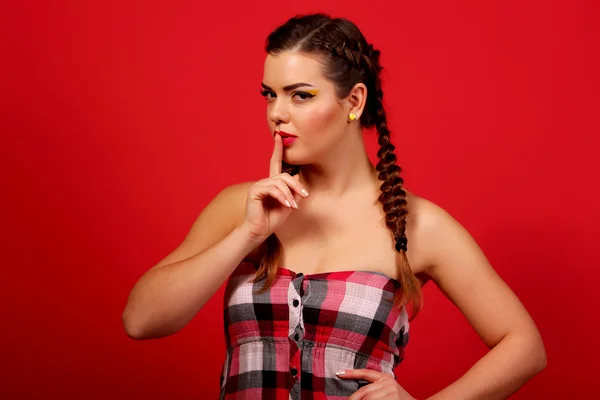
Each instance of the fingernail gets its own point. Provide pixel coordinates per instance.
(287, 203)
(304, 192)
(295, 204)
(340, 373)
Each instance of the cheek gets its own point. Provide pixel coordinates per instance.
(319, 119)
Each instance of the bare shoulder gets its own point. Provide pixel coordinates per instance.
(432, 232)
(445, 249)
(216, 220)
(232, 201)
(424, 214)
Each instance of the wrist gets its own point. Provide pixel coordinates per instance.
(250, 238)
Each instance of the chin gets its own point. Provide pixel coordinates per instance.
(293, 158)
(295, 155)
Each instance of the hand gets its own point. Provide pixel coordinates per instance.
(271, 200)
(382, 386)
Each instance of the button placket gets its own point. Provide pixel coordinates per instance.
(295, 329)
(295, 307)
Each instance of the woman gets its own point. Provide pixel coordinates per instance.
(320, 276)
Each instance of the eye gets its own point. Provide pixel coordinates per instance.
(303, 96)
(267, 94)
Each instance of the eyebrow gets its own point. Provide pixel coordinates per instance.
(288, 87)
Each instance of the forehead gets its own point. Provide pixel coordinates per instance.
(290, 67)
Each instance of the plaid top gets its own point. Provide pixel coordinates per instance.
(289, 342)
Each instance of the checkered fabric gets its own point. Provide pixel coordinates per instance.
(289, 342)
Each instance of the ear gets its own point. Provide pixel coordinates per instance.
(357, 99)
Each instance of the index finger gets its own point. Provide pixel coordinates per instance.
(277, 157)
(364, 373)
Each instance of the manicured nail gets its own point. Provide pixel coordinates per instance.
(287, 203)
(304, 192)
(340, 373)
(295, 204)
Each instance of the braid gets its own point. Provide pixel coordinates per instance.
(393, 195)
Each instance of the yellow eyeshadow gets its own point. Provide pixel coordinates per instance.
(313, 92)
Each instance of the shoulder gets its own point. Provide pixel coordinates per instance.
(224, 212)
(231, 201)
(218, 218)
(424, 213)
(234, 192)
(237, 189)
(433, 233)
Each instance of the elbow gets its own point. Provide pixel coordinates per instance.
(542, 360)
(138, 327)
(536, 355)
(135, 318)
(133, 328)
(530, 353)
(540, 357)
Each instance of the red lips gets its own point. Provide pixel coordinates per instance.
(285, 134)
(287, 138)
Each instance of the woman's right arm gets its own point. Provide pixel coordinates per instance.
(172, 292)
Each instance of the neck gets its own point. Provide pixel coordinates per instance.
(345, 167)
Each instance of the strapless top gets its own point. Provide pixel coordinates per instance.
(289, 342)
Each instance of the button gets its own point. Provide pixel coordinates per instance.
(295, 302)
(294, 371)
(296, 337)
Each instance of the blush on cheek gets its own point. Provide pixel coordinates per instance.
(319, 120)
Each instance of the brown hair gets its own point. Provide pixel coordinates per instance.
(347, 60)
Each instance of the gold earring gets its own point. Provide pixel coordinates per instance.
(352, 116)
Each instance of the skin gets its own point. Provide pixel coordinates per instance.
(328, 218)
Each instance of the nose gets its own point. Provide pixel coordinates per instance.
(278, 112)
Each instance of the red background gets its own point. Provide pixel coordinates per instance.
(121, 120)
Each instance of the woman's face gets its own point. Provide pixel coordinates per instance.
(301, 102)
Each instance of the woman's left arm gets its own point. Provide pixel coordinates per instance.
(463, 273)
